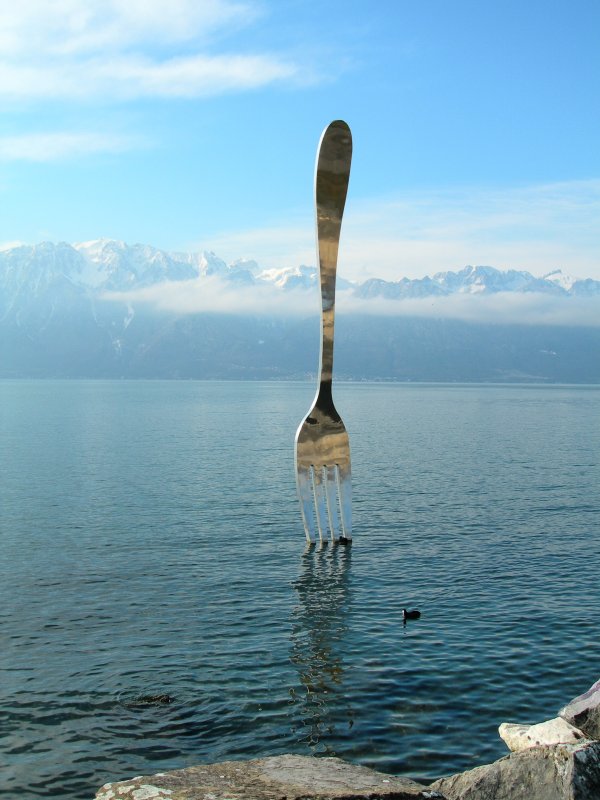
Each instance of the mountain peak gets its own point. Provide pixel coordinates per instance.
(561, 279)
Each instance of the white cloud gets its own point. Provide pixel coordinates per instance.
(128, 77)
(502, 308)
(212, 294)
(42, 147)
(191, 76)
(215, 295)
(535, 228)
(96, 26)
(123, 49)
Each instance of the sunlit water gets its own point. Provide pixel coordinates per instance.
(151, 544)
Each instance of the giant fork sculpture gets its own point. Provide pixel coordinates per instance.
(323, 475)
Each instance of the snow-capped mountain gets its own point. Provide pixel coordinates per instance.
(75, 310)
(108, 265)
(485, 280)
(558, 277)
(478, 280)
(114, 265)
(301, 277)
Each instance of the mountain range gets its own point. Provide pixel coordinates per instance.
(79, 310)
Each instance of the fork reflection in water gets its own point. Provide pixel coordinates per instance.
(319, 634)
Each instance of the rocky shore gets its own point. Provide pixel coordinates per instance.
(554, 760)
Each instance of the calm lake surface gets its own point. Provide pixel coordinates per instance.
(152, 544)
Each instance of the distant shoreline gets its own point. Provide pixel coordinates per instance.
(308, 381)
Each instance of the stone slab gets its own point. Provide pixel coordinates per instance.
(584, 712)
(287, 777)
(553, 731)
(557, 772)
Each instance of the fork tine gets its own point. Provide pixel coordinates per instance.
(331, 493)
(344, 487)
(320, 501)
(307, 506)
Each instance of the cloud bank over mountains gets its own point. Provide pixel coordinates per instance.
(106, 309)
(202, 282)
(194, 283)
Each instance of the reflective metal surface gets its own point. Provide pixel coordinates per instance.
(323, 474)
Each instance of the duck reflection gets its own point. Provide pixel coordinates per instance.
(319, 628)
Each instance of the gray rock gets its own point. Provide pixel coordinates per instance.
(557, 772)
(290, 777)
(584, 712)
(553, 731)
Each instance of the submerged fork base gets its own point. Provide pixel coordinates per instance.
(325, 496)
(323, 472)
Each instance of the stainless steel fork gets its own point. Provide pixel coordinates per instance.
(323, 474)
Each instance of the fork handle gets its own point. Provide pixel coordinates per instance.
(331, 186)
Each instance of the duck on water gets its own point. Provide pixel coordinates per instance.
(414, 613)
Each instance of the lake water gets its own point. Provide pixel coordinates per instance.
(152, 544)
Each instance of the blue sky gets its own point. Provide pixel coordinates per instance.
(193, 124)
